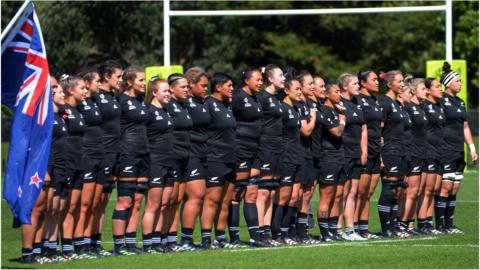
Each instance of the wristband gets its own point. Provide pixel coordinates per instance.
(343, 123)
(472, 148)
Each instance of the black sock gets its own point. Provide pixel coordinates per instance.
(251, 217)
(421, 223)
(410, 223)
(87, 241)
(37, 248)
(267, 231)
(332, 225)
(172, 238)
(206, 235)
(440, 207)
(67, 246)
(393, 215)
(27, 252)
(130, 239)
(356, 227)
(277, 220)
(96, 240)
(45, 247)
(220, 235)
(52, 248)
(449, 212)
(302, 225)
(288, 211)
(384, 207)
(323, 224)
(187, 236)
(234, 221)
(429, 222)
(147, 240)
(78, 244)
(156, 239)
(118, 241)
(292, 230)
(363, 226)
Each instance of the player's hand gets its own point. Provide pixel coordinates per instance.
(474, 156)
(342, 117)
(363, 159)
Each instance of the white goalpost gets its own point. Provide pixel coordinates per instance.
(168, 13)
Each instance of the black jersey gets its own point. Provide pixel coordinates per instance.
(75, 127)
(110, 111)
(352, 134)
(92, 138)
(303, 108)
(59, 141)
(317, 132)
(393, 126)
(221, 131)
(159, 131)
(436, 122)
(182, 124)
(271, 136)
(455, 116)
(293, 151)
(133, 124)
(372, 115)
(418, 129)
(407, 132)
(248, 114)
(332, 149)
(198, 111)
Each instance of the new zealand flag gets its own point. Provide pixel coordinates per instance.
(26, 89)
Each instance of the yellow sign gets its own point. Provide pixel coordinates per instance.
(434, 70)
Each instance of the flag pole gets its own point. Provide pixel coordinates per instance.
(15, 18)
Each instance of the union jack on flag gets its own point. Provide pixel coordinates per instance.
(26, 89)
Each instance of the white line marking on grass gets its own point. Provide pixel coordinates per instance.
(421, 245)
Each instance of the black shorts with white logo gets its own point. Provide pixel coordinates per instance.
(134, 166)
(394, 166)
(372, 166)
(196, 169)
(267, 162)
(110, 160)
(415, 166)
(331, 173)
(93, 170)
(244, 164)
(353, 168)
(453, 166)
(58, 180)
(432, 166)
(289, 173)
(179, 169)
(308, 173)
(219, 173)
(160, 176)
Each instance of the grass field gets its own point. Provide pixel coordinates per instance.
(445, 251)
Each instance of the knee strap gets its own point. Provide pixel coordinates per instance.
(120, 214)
(126, 189)
(402, 184)
(142, 188)
(265, 184)
(254, 180)
(388, 190)
(108, 186)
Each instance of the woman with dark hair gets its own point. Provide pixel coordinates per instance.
(220, 160)
(372, 114)
(456, 132)
(197, 164)
(93, 164)
(133, 164)
(270, 147)
(434, 153)
(418, 150)
(160, 137)
(330, 161)
(182, 125)
(355, 143)
(292, 158)
(393, 154)
(248, 114)
(75, 93)
(110, 74)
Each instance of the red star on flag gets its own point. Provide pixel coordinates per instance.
(35, 180)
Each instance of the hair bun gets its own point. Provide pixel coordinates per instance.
(64, 77)
(446, 67)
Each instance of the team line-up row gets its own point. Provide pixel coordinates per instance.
(195, 147)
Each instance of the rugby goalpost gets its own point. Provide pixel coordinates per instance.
(168, 13)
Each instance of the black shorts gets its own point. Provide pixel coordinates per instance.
(93, 170)
(331, 173)
(110, 160)
(61, 188)
(244, 164)
(353, 168)
(415, 166)
(394, 166)
(219, 173)
(453, 166)
(308, 173)
(196, 169)
(433, 166)
(289, 173)
(267, 162)
(57, 173)
(372, 166)
(160, 176)
(135, 166)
